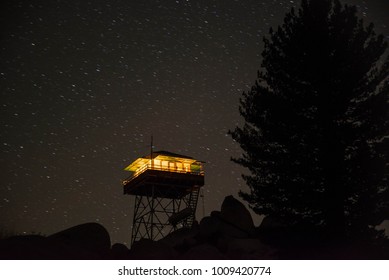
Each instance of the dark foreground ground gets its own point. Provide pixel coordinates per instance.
(226, 234)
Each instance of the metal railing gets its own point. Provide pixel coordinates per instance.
(145, 167)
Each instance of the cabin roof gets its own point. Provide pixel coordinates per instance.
(161, 155)
(166, 153)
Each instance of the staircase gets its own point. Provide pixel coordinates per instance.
(192, 204)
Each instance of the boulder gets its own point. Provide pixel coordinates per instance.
(247, 248)
(146, 249)
(91, 238)
(203, 251)
(93, 243)
(209, 227)
(25, 247)
(270, 223)
(179, 237)
(236, 214)
(119, 251)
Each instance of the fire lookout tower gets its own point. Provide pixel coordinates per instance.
(166, 187)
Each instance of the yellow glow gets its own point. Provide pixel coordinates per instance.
(166, 163)
(157, 162)
(136, 164)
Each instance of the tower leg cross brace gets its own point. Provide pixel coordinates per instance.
(152, 214)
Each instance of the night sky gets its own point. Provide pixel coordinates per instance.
(84, 84)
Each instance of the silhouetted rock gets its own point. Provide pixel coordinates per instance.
(235, 213)
(247, 248)
(180, 237)
(203, 252)
(223, 224)
(25, 247)
(225, 234)
(270, 222)
(87, 241)
(91, 237)
(231, 230)
(209, 227)
(119, 251)
(146, 249)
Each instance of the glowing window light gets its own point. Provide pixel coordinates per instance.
(166, 163)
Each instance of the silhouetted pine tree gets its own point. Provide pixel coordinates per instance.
(316, 131)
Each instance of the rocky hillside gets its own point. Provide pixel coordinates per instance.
(226, 234)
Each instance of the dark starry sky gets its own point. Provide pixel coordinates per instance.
(85, 83)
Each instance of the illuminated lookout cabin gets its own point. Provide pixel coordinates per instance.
(166, 188)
